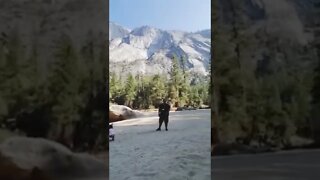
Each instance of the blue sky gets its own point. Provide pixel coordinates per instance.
(186, 15)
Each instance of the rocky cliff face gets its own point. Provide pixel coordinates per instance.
(149, 50)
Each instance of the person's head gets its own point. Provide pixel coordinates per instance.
(110, 126)
(165, 100)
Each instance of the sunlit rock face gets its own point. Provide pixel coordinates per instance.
(149, 50)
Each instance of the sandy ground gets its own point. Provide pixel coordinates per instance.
(290, 165)
(183, 152)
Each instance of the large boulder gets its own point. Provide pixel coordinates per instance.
(113, 117)
(124, 112)
(52, 158)
(9, 170)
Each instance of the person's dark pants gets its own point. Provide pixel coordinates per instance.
(164, 119)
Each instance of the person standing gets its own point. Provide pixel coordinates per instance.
(163, 112)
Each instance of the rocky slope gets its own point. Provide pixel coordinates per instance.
(148, 50)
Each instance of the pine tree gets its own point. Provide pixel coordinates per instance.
(157, 89)
(65, 83)
(12, 75)
(130, 89)
(114, 86)
(176, 80)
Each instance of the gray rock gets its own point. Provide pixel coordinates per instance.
(52, 158)
(125, 111)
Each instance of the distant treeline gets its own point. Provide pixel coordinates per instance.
(63, 99)
(147, 91)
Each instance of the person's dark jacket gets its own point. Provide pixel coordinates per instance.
(164, 110)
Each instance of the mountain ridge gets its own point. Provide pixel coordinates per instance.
(153, 48)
